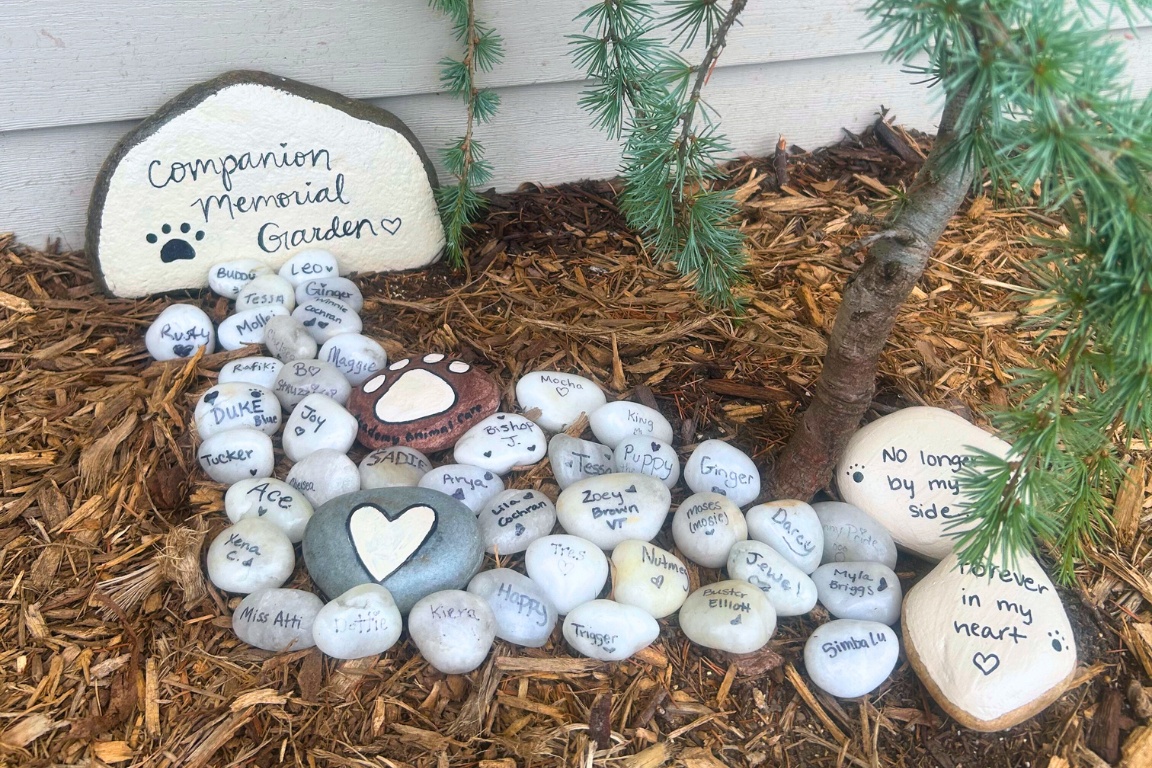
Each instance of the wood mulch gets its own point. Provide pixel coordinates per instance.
(113, 650)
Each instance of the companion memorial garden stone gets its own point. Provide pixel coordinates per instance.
(851, 535)
(323, 475)
(253, 554)
(261, 371)
(648, 456)
(473, 486)
(649, 577)
(568, 569)
(453, 630)
(789, 589)
(705, 527)
(364, 621)
(277, 619)
(251, 165)
(731, 616)
(228, 278)
(334, 288)
(865, 591)
(573, 459)
(609, 631)
(849, 658)
(524, 614)
(358, 357)
(717, 467)
(790, 527)
(613, 422)
(608, 509)
(247, 327)
(231, 406)
(178, 332)
(272, 500)
(391, 467)
(324, 318)
(561, 397)
(309, 265)
(301, 378)
(318, 422)
(266, 291)
(500, 442)
(235, 455)
(512, 520)
(287, 340)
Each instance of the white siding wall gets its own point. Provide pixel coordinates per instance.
(75, 75)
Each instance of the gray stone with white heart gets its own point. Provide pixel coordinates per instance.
(301, 378)
(560, 397)
(364, 621)
(864, 591)
(792, 528)
(277, 619)
(851, 535)
(357, 356)
(524, 614)
(235, 455)
(324, 318)
(392, 467)
(269, 499)
(500, 442)
(308, 265)
(247, 327)
(573, 459)
(849, 658)
(250, 555)
(334, 288)
(609, 631)
(731, 615)
(613, 422)
(648, 456)
(261, 371)
(608, 509)
(286, 339)
(790, 590)
(649, 577)
(720, 468)
(471, 485)
(318, 422)
(178, 332)
(512, 520)
(570, 570)
(323, 475)
(705, 527)
(232, 406)
(266, 291)
(228, 278)
(453, 630)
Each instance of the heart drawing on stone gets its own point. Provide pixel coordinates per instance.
(391, 226)
(986, 662)
(562, 391)
(384, 544)
(182, 350)
(658, 581)
(211, 397)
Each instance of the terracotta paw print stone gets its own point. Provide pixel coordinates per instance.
(424, 403)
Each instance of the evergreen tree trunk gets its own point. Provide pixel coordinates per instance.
(872, 299)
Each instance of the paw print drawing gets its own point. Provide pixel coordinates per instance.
(1059, 642)
(176, 248)
(418, 392)
(856, 472)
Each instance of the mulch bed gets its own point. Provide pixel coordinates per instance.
(113, 649)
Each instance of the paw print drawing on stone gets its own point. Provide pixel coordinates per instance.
(855, 471)
(418, 393)
(1059, 643)
(176, 248)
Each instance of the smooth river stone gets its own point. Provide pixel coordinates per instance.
(410, 540)
(500, 442)
(325, 318)
(364, 621)
(301, 378)
(473, 486)
(178, 332)
(453, 630)
(730, 615)
(561, 397)
(286, 339)
(570, 570)
(358, 357)
(236, 405)
(247, 327)
(648, 456)
(609, 509)
(613, 422)
(425, 403)
(265, 291)
(261, 371)
(323, 475)
(250, 555)
(228, 277)
(235, 455)
(705, 527)
(308, 265)
(393, 467)
(992, 644)
(573, 459)
(524, 614)
(852, 535)
(340, 288)
(512, 520)
(903, 469)
(718, 467)
(849, 658)
(318, 422)
(609, 631)
(272, 500)
(790, 527)
(649, 577)
(277, 619)
(789, 589)
(864, 591)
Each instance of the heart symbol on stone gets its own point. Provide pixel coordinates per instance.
(500, 417)
(458, 494)
(391, 226)
(710, 531)
(630, 489)
(211, 397)
(610, 650)
(739, 619)
(309, 323)
(487, 475)
(719, 491)
(261, 511)
(252, 472)
(520, 529)
(562, 391)
(986, 662)
(322, 323)
(658, 581)
(564, 566)
(655, 447)
(532, 447)
(383, 544)
(182, 350)
(299, 431)
(883, 585)
(487, 454)
(528, 495)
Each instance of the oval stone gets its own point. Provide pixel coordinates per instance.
(393, 467)
(286, 339)
(325, 318)
(310, 264)
(851, 535)
(570, 570)
(301, 378)
(453, 630)
(272, 500)
(649, 577)
(333, 288)
(323, 475)
(789, 589)
(648, 456)
(247, 327)
(609, 509)
(238, 454)
(560, 397)
(790, 527)
(609, 631)
(864, 591)
(720, 468)
(178, 332)
(705, 527)
(850, 658)
(261, 371)
(265, 291)
(228, 277)
(473, 486)
(500, 442)
(524, 614)
(236, 405)
(318, 422)
(613, 422)
(358, 357)
(277, 619)
(250, 555)
(730, 615)
(573, 459)
(512, 520)
(364, 621)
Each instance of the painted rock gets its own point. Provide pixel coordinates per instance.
(512, 520)
(255, 164)
(473, 486)
(730, 615)
(286, 339)
(250, 555)
(238, 454)
(261, 371)
(269, 499)
(231, 406)
(301, 378)
(391, 467)
(265, 291)
(718, 467)
(609, 509)
(573, 459)
(561, 397)
(318, 422)
(991, 643)
(364, 621)
(325, 318)
(864, 591)
(333, 288)
(851, 535)
(649, 577)
(705, 527)
(178, 332)
(613, 422)
(609, 631)
(323, 475)
(453, 630)
(850, 658)
(247, 327)
(228, 277)
(648, 456)
(410, 540)
(425, 403)
(788, 588)
(277, 619)
(903, 470)
(500, 442)
(570, 570)
(358, 357)
(524, 614)
(790, 527)
(308, 265)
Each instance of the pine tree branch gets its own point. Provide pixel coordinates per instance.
(715, 48)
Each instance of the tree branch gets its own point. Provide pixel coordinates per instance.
(713, 53)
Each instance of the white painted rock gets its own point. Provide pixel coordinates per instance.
(340, 288)
(286, 339)
(231, 406)
(393, 467)
(277, 619)
(261, 371)
(500, 442)
(265, 291)
(453, 630)
(357, 356)
(648, 456)
(609, 631)
(561, 397)
(247, 327)
(524, 614)
(718, 467)
(237, 454)
(301, 378)
(902, 469)
(851, 535)
(613, 422)
(323, 475)
(568, 569)
(308, 265)
(512, 520)
(705, 527)
(318, 422)
(790, 527)
(272, 500)
(228, 277)
(731, 616)
(992, 644)
(849, 658)
(250, 555)
(325, 318)
(649, 577)
(364, 621)
(788, 588)
(178, 332)
(864, 591)
(473, 486)
(573, 459)
(608, 509)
